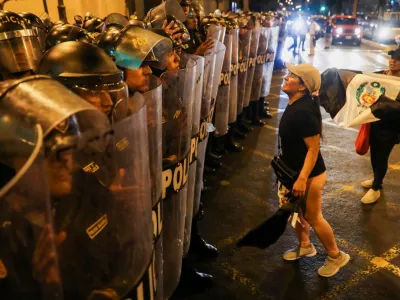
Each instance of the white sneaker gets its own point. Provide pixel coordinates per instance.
(367, 183)
(299, 252)
(332, 266)
(371, 196)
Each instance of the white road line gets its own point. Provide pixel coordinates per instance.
(329, 122)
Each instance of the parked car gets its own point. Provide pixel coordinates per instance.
(346, 29)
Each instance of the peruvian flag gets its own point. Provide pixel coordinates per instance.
(353, 98)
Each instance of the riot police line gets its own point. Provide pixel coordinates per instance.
(108, 126)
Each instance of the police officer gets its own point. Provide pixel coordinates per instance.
(198, 44)
(20, 49)
(91, 73)
(81, 209)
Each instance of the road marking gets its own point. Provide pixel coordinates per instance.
(342, 288)
(239, 277)
(272, 128)
(329, 122)
(376, 264)
(262, 154)
(225, 182)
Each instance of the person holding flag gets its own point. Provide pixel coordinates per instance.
(384, 135)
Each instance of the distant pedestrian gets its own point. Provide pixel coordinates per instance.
(328, 33)
(300, 132)
(302, 33)
(294, 35)
(313, 28)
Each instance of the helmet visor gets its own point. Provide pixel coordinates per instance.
(111, 99)
(21, 49)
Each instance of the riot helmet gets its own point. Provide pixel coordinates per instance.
(192, 21)
(135, 45)
(112, 26)
(93, 24)
(19, 44)
(186, 6)
(138, 23)
(199, 9)
(37, 24)
(176, 43)
(115, 19)
(185, 35)
(156, 16)
(89, 72)
(65, 33)
(211, 27)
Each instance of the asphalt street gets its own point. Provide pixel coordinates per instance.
(244, 195)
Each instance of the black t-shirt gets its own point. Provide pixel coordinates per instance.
(299, 121)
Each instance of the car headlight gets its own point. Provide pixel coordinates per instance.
(384, 31)
(358, 30)
(339, 30)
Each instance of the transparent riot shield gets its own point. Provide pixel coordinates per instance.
(178, 93)
(260, 61)
(209, 71)
(154, 128)
(197, 101)
(132, 190)
(234, 77)
(217, 32)
(223, 95)
(269, 61)
(27, 236)
(255, 36)
(220, 50)
(244, 51)
(99, 184)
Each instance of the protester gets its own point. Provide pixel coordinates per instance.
(300, 132)
(384, 135)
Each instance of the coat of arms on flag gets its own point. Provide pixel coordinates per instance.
(353, 98)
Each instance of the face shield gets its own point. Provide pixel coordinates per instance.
(41, 33)
(68, 123)
(111, 98)
(137, 45)
(21, 49)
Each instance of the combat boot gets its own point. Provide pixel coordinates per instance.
(192, 280)
(255, 121)
(199, 246)
(230, 144)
